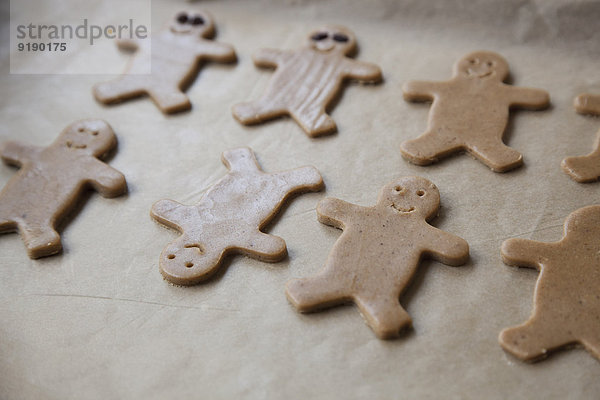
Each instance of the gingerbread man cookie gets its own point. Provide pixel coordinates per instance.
(51, 181)
(307, 80)
(470, 112)
(378, 253)
(585, 168)
(174, 55)
(229, 218)
(567, 294)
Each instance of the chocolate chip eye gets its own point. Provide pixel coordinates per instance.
(319, 36)
(182, 18)
(340, 37)
(198, 20)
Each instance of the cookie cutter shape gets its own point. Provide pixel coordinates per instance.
(566, 306)
(376, 256)
(51, 180)
(174, 55)
(470, 112)
(586, 168)
(307, 80)
(229, 218)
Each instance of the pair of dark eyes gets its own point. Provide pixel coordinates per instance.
(183, 18)
(399, 189)
(338, 37)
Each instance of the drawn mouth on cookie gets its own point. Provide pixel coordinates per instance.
(471, 72)
(75, 146)
(403, 210)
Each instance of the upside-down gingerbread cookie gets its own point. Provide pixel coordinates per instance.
(51, 180)
(174, 56)
(307, 80)
(470, 112)
(376, 256)
(229, 218)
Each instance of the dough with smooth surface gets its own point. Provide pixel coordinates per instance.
(567, 294)
(585, 168)
(51, 180)
(377, 254)
(470, 112)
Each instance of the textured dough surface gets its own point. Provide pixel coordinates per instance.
(229, 217)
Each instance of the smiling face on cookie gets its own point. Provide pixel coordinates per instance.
(93, 137)
(482, 65)
(332, 39)
(411, 196)
(195, 23)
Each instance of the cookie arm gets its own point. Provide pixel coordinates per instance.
(419, 90)
(269, 58)
(333, 212)
(106, 180)
(446, 247)
(524, 253)
(529, 98)
(363, 71)
(14, 153)
(215, 51)
(587, 104)
(171, 213)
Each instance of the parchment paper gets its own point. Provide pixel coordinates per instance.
(98, 322)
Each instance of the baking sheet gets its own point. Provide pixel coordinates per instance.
(98, 322)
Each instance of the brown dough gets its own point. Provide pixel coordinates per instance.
(470, 112)
(175, 56)
(585, 168)
(567, 294)
(307, 80)
(378, 253)
(229, 217)
(52, 179)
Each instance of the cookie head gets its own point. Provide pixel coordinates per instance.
(411, 196)
(195, 23)
(482, 65)
(93, 137)
(584, 225)
(332, 39)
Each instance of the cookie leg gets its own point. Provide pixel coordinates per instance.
(124, 88)
(40, 241)
(316, 292)
(264, 247)
(314, 122)
(496, 155)
(184, 262)
(384, 314)
(585, 168)
(7, 225)
(170, 100)
(255, 112)
(534, 339)
(429, 148)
